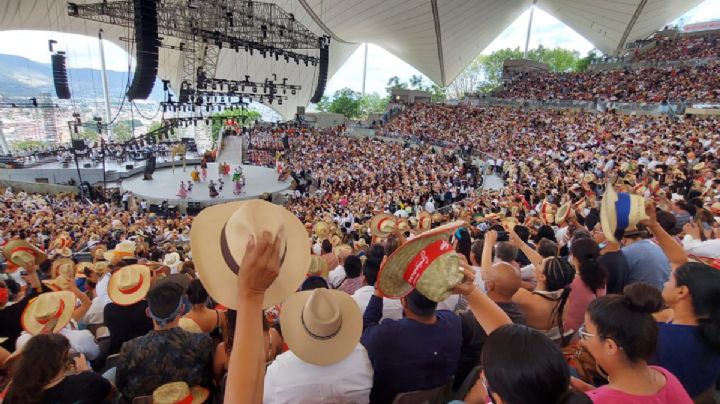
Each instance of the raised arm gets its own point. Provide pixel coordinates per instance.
(490, 239)
(246, 369)
(672, 249)
(535, 258)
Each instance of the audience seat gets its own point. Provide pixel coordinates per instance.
(438, 395)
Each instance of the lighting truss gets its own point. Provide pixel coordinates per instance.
(237, 24)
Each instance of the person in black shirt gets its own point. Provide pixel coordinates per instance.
(126, 323)
(46, 373)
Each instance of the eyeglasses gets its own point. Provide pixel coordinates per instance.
(584, 334)
(487, 389)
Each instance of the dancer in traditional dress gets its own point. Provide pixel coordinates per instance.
(182, 193)
(212, 189)
(195, 175)
(203, 167)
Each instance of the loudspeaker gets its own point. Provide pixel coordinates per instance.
(60, 76)
(87, 165)
(146, 42)
(129, 167)
(322, 74)
(79, 145)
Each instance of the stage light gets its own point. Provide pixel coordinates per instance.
(254, 89)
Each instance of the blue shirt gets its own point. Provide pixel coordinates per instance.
(681, 350)
(407, 355)
(647, 263)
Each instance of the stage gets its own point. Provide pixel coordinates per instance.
(165, 185)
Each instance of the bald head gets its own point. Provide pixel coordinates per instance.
(502, 281)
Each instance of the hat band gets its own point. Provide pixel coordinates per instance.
(380, 223)
(319, 337)
(57, 314)
(622, 209)
(187, 400)
(422, 261)
(122, 253)
(22, 249)
(4, 295)
(132, 289)
(228, 258)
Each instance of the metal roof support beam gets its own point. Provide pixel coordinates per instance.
(438, 38)
(321, 24)
(630, 26)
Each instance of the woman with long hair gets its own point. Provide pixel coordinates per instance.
(209, 320)
(544, 307)
(621, 334)
(520, 365)
(585, 258)
(689, 330)
(45, 372)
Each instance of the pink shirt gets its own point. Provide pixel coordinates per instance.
(672, 393)
(580, 298)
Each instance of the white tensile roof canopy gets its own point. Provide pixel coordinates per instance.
(437, 37)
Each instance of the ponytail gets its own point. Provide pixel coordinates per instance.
(592, 272)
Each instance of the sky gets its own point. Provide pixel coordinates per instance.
(83, 51)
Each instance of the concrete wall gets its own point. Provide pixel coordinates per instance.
(37, 188)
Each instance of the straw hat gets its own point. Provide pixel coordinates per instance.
(403, 225)
(437, 217)
(562, 213)
(427, 263)
(129, 284)
(22, 253)
(61, 243)
(47, 308)
(231, 224)
(80, 269)
(715, 208)
(321, 326)
(699, 166)
(620, 210)
(335, 240)
(179, 393)
(424, 221)
(60, 283)
(97, 251)
(322, 229)
(124, 249)
(318, 267)
(63, 267)
(171, 259)
(101, 266)
(382, 225)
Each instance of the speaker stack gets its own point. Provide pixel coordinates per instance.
(322, 76)
(60, 77)
(147, 54)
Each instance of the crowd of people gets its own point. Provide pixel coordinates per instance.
(687, 83)
(682, 48)
(391, 274)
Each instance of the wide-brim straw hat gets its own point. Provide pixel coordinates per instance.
(46, 308)
(318, 267)
(218, 238)
(129, 284)
(321, 326)
(80, 269)
(62, 241)
(620, 210)
(124, 249)
(98, 251)
(427, 263)
(22, 253)
(699, 166)
(171, 259)
(60, 283)
(62, 267)
(64, 252)
(322, 229)
(424, 221)
(562, 213)
(383, 224)
(179, 393)
(403, 225)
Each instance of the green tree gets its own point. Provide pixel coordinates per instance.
(324, 104)
(416, 82)
(21, 145)
(346, 102)
(154, 126)
(437, 93)
(393, 84)
(242, 116)
(373, 104)
(583, 63)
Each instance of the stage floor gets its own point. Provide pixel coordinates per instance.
(165, 185)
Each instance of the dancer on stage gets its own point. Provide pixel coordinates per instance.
(189, 187)
(203, 167)
(212, 189)
(195, 175)
(182, 193)
(239, 180)
(221, 185)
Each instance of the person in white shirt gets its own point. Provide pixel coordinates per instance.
(430, 205)
(326, 362)
(693, 243)
(338, 275)
(392, 308)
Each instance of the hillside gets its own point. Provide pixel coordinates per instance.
(24, 78)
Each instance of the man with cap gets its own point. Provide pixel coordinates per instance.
(418, 352)
(167, 353)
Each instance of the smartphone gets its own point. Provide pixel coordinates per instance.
(23, 273)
